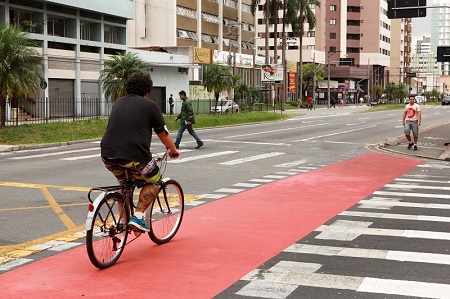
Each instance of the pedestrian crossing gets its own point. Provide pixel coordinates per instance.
(396, 242)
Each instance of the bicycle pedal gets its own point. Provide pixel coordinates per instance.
(137, 232)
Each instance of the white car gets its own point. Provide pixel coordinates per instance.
(421, 99)
(225, 107)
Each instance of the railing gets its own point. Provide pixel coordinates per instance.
(45, 110)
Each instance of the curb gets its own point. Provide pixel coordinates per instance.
(11, 148)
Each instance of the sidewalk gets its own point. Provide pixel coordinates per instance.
(431, 143)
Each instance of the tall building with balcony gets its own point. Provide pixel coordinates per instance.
(354, 38)
(440, 30)
(225, 29)
(401, 51)
(74, 37)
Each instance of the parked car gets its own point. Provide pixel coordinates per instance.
(446, 100)
(225, 107)
(421, 99)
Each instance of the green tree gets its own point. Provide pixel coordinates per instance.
(308, 75)
(390, 91)
(116, 73)
(21, 66)
(299, 12)
(402, 91)
(217, 78)
(377, 91)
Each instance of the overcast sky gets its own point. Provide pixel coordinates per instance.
(421, 27)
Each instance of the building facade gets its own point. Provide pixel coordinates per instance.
(74, 39)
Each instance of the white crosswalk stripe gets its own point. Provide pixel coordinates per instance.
(398, 226)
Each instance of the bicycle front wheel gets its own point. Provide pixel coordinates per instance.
(106, 235)
(166, 212)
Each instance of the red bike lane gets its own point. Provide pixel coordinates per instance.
(218, 243)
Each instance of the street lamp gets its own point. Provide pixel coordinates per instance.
(328, 63)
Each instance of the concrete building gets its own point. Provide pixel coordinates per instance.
(75, 38)
(354, 38)
(224, 28)
(401, 51)
(440, 30)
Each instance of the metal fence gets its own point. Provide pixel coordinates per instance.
(45, 110)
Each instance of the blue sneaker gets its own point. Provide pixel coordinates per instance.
(139, 224)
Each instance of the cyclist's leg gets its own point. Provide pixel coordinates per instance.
(150, 175)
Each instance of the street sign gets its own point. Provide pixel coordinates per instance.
(410, 75)
(398, 9)
(443, 54)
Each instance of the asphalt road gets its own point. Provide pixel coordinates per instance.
(44, 190)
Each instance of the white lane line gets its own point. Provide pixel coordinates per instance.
(292, 164)
(261, 180)
(404, 288)
(278, 130)
(213, 196)
(252, 158)
(229, 190)
(411, 194)
(436, 166)
(55, 154)
(395, 255)
(390, 204)
(80, 157)
(341, 142)
(182, 160)
(421, 181)
(396, 216)
(248, 185)
(14, 263)
(332, 134)
(400, 186)
(333, 232)
(248, 142)
(279, 277)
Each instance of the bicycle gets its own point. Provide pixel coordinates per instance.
(107, 227)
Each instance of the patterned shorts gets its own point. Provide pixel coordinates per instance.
(145, 173)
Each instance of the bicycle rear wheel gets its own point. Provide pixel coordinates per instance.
(166, 212)
(107, 235)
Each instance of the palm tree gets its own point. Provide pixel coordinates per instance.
(116, 73)
(253, 7)
(377, 91)
(21, 66)
(236, 80)
(217, 78)
(299, 12)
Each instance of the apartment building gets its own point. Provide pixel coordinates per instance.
(401, 51)
(208, 31)
(440, 30)
(74, 37)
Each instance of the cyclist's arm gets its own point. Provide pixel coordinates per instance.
(168, 142)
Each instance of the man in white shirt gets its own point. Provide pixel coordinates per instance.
(412, 117)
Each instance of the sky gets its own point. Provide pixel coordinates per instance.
(421, 27)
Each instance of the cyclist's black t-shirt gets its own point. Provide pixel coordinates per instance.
(129, 132)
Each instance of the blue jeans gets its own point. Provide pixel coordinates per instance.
(184, 126)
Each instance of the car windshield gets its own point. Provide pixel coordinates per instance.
(222, 103)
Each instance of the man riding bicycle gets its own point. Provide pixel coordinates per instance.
(127, 140)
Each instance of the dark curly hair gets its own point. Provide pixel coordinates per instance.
(140, 84)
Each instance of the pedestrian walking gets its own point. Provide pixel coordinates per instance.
(171, 103)
(309, 101)
(187, 120)
(333, 103)
(412, 117)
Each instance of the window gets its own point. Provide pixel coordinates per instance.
(333, 7)
(332, 50)
(332, 21)
(332, 35)
(311, 34)
(56, 27)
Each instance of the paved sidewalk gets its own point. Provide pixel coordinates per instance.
(432, 143)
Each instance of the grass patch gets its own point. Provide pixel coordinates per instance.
(91, 129)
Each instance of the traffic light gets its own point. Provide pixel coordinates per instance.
(398, 9)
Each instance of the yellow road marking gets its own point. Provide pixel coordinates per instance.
(55, 206)
(11, 252)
